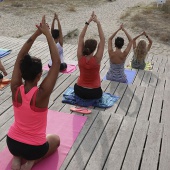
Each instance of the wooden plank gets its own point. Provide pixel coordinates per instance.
(118, 150)
(139, 77)
(101, 151)
(164, 163)
(146, 104)
(153, 143)
(156, 109)
(126, 100)
(136, 102)
(166, 108)
(83, 153)
(146, 79)
(119, 92)
(134, 152)
(154, 79)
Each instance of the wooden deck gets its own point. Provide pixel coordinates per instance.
(132, 135)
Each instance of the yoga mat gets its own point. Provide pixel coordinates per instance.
(4, 52)
(4, 82)
(130, 75)
(107, 100)
(148, 66)
(67, 126)
(70, 68)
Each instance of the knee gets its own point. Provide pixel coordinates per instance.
(56, 141)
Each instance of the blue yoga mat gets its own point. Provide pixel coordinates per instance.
(4, 52)
(130, 75)
(107, 100)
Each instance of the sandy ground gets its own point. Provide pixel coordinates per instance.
(19, 19)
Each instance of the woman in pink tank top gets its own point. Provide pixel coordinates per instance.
(88, 85)
(27, 138)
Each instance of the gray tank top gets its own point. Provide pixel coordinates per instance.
(116, 73)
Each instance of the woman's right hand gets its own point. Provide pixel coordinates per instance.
(43, 27)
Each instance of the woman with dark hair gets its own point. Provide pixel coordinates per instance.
(140, 51)
(26, 138)
(58, 38)
(117, 57)
(88, 85)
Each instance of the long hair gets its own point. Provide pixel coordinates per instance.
(141, 50)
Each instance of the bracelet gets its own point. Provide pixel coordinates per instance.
(86, 23)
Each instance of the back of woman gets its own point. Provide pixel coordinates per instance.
(26, 137)
(89, 72)
(117, 57)
(140, 52)
(88, 85)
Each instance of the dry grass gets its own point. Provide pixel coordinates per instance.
(71, 8)
(151, 19)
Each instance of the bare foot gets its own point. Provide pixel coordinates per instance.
(16, 163)
(28, 165)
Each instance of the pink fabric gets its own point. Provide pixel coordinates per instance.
(70, 68)
(67, 126)
(25, 118)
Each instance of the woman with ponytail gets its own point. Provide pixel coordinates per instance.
(26, 138)
(140, 51)
(88, 85)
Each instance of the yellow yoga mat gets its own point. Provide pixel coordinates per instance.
(147, 67)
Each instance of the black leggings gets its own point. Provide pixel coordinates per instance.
(85, 93)
(28, 152)
(63, 66)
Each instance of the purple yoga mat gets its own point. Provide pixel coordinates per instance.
(70, 68)
(67, 126)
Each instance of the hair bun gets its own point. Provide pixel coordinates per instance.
(27, 61)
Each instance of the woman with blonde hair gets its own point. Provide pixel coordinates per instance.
(140, 51)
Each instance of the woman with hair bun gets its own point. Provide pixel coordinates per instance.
(88, 85)
(26, 138)
(140, 51)
(117, 57)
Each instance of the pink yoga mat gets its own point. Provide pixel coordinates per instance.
(67, 126)
(70, 68)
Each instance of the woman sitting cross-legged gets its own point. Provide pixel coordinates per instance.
(58, 38)
(88, 85)
(26, 138)
(140, 51)
(117, 57)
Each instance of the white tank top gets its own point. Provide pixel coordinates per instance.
(60, 51)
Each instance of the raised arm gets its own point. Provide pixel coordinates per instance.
(81, 38)
(110, 46)
(100, 49)
(134, 40)
(149, 40)
(2, 68)
(16, 75)
(48, 83)
(60, 30)
(126, 51)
